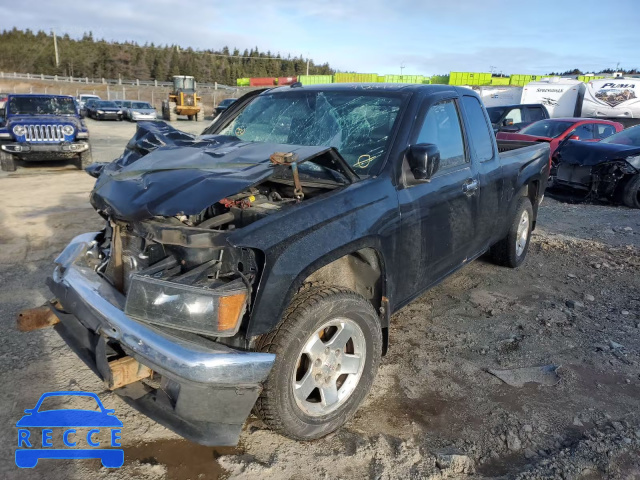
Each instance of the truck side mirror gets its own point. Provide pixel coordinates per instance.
(424, 160)
(507, 122)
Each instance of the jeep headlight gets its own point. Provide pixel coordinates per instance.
(217, 312)
(19, 130)
(68, 130)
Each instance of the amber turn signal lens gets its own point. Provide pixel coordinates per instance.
(230, 310)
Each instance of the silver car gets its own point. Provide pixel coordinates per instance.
(139, 111)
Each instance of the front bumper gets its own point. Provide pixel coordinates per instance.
(143, 116)
(207, 389)
(45, 151)
(108, 116)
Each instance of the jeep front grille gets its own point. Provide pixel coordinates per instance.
(44, 133)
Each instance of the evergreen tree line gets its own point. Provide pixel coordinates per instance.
(33, 52)
(606, 71)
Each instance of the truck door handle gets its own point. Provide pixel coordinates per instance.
(470, 186)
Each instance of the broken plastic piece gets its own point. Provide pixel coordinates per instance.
(517, 377)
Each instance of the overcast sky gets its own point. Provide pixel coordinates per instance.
(372, 36)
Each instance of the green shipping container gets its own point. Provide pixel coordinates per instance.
(588, 78)
(469, 78)
(500, 81)
(522, 80)
(403, 78)
(356, 78)
(243, 82)
(315, 79)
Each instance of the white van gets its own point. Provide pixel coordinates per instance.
(614, 98)
(562, 96)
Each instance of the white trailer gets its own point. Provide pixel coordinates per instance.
(614, 98)
(499, 96)
(562, 96)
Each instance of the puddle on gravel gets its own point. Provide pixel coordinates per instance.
(184, 460)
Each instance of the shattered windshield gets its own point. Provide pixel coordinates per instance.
(357, 124)
(42, 106)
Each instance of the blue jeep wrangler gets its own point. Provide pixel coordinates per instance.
(38, 127)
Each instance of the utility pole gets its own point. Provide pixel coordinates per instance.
(401, 68)
(55, 47)
(307, 65)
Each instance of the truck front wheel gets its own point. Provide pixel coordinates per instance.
(83, 160)
(512, 249)
(328, 348)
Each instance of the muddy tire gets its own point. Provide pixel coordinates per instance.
(7, 162)
(512, 249)
(328, 347)
(83, 160)
(631, 192)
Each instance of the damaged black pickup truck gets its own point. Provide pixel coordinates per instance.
(256, 266)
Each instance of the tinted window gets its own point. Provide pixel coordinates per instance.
(585, 132)
(604, 131)
(536, 114)
(495, 113)
(479, 130)
(441, 126)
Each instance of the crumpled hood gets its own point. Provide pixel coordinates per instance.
(575, 152)
(166, 172)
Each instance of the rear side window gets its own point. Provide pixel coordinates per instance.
(441, 127)
(603, 131)
(536, 114)
(479, 129)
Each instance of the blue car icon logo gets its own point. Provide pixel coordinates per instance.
(32, 446)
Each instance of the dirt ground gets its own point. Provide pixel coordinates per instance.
(434, 410)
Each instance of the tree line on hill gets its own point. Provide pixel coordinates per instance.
(33, 52)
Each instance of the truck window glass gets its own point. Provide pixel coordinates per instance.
(585, 132)
(358, 125)
(441, 126)
(479, 129)
(514, 114)
(535, 114)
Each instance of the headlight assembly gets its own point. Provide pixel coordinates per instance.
(68, 130)
(215, 312)
(100, 111)
(19, 130)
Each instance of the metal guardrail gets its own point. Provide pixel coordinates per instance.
(106, 81)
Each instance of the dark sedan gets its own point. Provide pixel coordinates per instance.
(105, 110)
(223, 105)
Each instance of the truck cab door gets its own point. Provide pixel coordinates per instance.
(486, 160)
(438, 215)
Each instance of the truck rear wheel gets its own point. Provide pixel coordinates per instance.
(7, 162)
(631, 192)
(328, 348)
(512, 249)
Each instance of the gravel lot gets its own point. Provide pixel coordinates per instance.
(434, 411)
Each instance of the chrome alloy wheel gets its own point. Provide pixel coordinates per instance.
(523, 233)
(329, 367)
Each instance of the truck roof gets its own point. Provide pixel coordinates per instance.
(375, 87)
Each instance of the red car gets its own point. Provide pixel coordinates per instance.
(555, 130)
